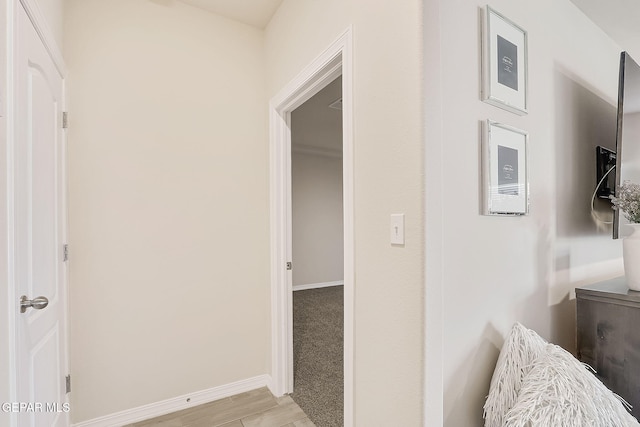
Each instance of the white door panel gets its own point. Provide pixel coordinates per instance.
(41, 356)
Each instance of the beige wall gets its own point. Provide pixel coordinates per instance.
(134, 160)
(317, 218)
(388, 179)
(495, 270)
(169, 219)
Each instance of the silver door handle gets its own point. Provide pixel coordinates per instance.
(38, 303)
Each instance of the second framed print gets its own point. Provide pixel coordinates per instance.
(504, 63)
(505, 170)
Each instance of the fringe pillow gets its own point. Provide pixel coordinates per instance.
(520, 349)
(559, 391)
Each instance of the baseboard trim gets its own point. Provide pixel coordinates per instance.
(179, 403)
(317, 285)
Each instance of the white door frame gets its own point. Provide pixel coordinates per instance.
(46, 36)
(336, 60)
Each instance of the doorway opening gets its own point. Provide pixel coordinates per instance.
(318, 256)
(334, 62)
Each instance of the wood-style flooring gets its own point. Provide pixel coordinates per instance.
(256, 408)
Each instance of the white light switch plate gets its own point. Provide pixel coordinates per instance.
(397, 229)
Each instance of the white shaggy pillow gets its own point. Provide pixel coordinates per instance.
(558, 390)
(520, 349)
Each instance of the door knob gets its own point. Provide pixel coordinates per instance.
(38, 303)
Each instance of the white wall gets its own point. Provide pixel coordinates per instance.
(494, 271)
(169, 217)
(388, 165)
(318, 231)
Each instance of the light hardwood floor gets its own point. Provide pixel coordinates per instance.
(256, 408)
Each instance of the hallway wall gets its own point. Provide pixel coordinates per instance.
(387, 56)
(169, 211)
(495, 271)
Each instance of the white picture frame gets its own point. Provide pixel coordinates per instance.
(505, 170)
(504, 63)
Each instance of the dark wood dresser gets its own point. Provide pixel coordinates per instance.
(608, 336)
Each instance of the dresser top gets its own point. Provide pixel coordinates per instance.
(614, 289)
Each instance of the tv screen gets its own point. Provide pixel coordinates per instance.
(627, 133)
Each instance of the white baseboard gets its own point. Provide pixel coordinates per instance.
(179, 403)
(317, 285)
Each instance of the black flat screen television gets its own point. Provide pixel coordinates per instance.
(627, 133)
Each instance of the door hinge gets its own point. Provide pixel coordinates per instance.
(289, 265)
(65, 120)
(68, 384)
(65, 253)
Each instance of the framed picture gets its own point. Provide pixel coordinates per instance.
(505, 170)
(504, 63)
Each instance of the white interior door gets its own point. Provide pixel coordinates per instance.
(41, 354)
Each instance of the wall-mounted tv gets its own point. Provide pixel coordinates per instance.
(627, 133)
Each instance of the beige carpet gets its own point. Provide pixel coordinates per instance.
(318, 337)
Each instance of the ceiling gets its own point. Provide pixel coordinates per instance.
(256, 13)
(620, 19)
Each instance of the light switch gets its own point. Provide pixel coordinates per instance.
(397, 229)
